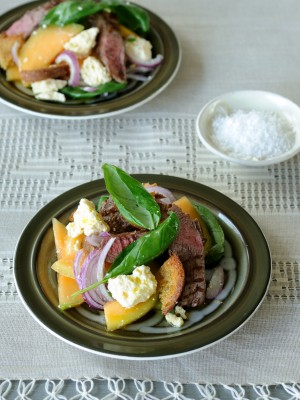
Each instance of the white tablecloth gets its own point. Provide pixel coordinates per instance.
(226, 45)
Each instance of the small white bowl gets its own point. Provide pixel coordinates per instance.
(248, 100)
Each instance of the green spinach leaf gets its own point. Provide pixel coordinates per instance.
(71, 11)
(132, 16)
(100, 201)
(217, 250)
(79, 93)
(133, 201)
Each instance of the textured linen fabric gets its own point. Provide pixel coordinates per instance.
(226, 46)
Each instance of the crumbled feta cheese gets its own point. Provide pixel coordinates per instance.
(93, 72)
(130, 290)
(82, 43)
(48, 85)
(173, 320)
(180, 312)
(86, 220)
(138, 48)
(51, 96)
(47, 89)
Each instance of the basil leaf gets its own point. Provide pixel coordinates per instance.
(132, 16)
(217, 250)
(145, 248)
(133, 201)
(79, 93)
(72, 11)
(100, 201)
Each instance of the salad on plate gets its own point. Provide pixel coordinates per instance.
(140, 259)
(79, 50)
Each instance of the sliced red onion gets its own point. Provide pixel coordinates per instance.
(163, 191)
(102, 258)
(14, 53)
(136, 69)
(89, 89)
(138, 77)
(104, 234)
(216, 283)
(92, 271)
(77, 266)
(96, 239)
(152, 63)
(70, 58)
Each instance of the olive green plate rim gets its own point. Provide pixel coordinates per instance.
(154, 346)
(167, 44)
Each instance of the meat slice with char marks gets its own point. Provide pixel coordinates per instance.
(122, 240)
(30, 20)
(188, 246)
(113, 218)
(110, 47)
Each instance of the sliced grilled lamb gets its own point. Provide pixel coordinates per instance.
(111, 215)
(188, 246)
(30, 20)
(110, 47)
(122, 241)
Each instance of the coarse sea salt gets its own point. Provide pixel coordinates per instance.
(253, 135)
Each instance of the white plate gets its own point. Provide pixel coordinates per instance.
(247, 101)
(164, 42)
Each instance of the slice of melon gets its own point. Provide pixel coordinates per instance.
(64, 267)
(117, 316)
(187, 207)
(44, 45)
(66, 288)
(60, 234)
(66, 246)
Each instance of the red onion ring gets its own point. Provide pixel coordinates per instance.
(77, 266)
(89, 89)
(216, 283)
(14, 53)
(163, 191)
(70, 58)
(152, 63)
(96, 239)
(138, 77)
(92, 271)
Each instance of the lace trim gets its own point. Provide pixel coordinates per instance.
(102, 388)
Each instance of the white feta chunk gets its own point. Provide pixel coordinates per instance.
(93, 72)
(130, 290)
(82, 43)
(180, 312)
(138, 48)
(51, 96)
(86, 220)
(48, 85)
(173, 320)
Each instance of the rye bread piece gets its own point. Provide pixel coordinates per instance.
(170, 283)
(55, 71)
